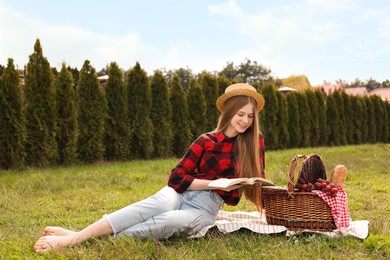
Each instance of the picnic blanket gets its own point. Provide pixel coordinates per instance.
(227, 222)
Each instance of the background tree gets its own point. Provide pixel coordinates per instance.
(347, 117)
(322, 118)
(66, 131)
(305, 120)
(248, 71)
(386, 122)
(92, 109)
(223, 83)
(283, 121)
(41, 146)
(117, 130)
(139, 95)
(196, 109)
(210, 89)
(12, 123)
(363, 119)
(371, 128)
(333, 118)
(338, 98)
(180, 125)
(314, 117)
(294, 119)
(270, 115)
(161, 115)
(379, 116)
(357, 119)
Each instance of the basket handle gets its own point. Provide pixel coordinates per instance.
(293, 166)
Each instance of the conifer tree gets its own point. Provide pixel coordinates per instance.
(117, 131)
(363, 120)
(223, 83)
(305, 120)
(386, 122)
(294, 119)
(283, 121)
(371, 128)
(333, 117)
(196, 109)
(161, 115)
(211, 92)
(66, 132)
(180, 125)
(379, 116)
(322, 119)
(314, 118)
(139, 96)
(270, 114)
(347, 117)
(39, 93)
(357, 119)
(12, 122)
(92, 112)
(338, 98)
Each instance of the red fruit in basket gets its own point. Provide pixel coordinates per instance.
(323, 185)
(309, 186)
(328, 188)
(304, 187)
(334, 190)
(320, 180)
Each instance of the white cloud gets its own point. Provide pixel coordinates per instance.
(65, 43)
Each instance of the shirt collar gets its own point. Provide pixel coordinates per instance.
(221, 137)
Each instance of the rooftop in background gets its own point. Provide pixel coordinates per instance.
(361, 91)
(384, 93)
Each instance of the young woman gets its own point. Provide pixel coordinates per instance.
(187, 204)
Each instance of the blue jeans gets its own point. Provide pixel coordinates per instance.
(167, 213)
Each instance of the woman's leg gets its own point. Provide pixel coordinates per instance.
(164, 200)
(197, 210)
(100, 228)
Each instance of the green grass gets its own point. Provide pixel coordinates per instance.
(76, 196)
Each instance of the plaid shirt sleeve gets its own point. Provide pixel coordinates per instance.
(182, 175)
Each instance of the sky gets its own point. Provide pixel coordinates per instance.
(326, 40)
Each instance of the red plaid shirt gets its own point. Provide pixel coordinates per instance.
(211, 156)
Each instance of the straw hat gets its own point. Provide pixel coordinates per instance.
(240, 89)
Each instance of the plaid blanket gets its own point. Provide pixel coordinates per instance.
(339, 207)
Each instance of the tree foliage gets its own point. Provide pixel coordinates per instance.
(92, 109)
(270, 115)
(283, 121)
(210, 89)
(180, 125)
(313, 114)
(196, 109)
(117, 130)
(294, 119)
(66, 131)
(12, 122)
(140, 101)
(41, 147)
(161, 115)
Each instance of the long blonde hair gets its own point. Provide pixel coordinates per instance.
(247, 145)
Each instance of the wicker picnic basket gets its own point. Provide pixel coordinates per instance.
(294, 209)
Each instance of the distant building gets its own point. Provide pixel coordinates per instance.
(285, 90)
(383, 93)
(102, 80)
(361, 91)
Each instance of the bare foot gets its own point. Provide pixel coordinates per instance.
(56, 231)
(48, 243)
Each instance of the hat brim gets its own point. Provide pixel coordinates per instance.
(241, 92)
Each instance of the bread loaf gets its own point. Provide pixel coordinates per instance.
(339, 175)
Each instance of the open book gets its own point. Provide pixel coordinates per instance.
(225, 183)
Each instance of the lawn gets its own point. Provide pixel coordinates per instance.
(75, 196)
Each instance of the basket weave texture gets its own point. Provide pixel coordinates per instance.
(296, 210)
